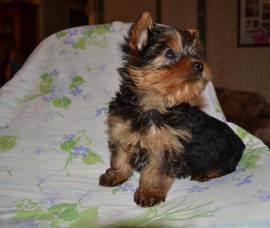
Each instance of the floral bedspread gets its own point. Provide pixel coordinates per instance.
(53, 148)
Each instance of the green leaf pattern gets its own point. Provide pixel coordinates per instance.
(7, 142)
(242, 133)
(60, 34)
(47, 85)
(179, 210)
(44, 87)
(58, 215)
(92, 35)
(76, 81)
(80, 44)
(63, 102)
(91, 158)
(79, 145)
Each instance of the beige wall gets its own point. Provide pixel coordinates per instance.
(233, 67)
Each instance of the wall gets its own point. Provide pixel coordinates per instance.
(233, 67)
(174, 12)
(127, 10)
(53, 15)
(181, 14)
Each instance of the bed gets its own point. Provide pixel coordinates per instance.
(53, 148)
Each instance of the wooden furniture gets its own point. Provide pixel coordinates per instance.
(248, 110)
(18, 23)
(18, 33)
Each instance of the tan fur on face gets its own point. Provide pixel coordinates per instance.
(174, 42)
(174, 83)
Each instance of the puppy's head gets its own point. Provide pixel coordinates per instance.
(165, 62)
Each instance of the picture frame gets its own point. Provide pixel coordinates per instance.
(253, 23)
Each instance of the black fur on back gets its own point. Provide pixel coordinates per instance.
(213, 145)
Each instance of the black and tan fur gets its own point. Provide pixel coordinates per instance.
(151, 126)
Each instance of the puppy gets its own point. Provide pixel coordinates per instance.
(152, 128)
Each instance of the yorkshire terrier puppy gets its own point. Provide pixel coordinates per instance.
(152, 128)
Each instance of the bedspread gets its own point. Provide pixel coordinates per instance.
(53, 148)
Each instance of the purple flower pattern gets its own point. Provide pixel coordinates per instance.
(69, 137)
(79, 145)
(246, 180)
(76, 91)
(127, 187)
(197, 188)
(100, 68)
(72, 32)
(68, 41)
(53, 198)
(263, 195)
(28, 223)
(90, 27)
(47, 98)
(58, 93)
(55, 72)
(101, 110)
(80, 150)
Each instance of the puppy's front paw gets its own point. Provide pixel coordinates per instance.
(147, 197)
(111, 178)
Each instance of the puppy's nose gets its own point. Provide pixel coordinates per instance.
(198, 66)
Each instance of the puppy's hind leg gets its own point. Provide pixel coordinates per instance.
(214, 173)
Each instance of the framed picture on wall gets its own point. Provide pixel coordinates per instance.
(253, 22)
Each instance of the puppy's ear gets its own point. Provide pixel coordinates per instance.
(139, 32)
(194, 33)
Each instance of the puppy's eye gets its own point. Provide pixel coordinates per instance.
(169, 54)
